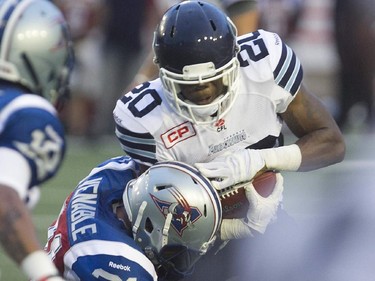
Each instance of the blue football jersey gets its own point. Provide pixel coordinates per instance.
(87, 241)
(29, 125)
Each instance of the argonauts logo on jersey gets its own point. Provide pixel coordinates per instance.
(228, 142)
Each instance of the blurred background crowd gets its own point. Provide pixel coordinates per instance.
(334, 40)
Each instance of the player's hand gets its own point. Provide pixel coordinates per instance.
(260, 213)
(234, 229)
(262, 210)
(238, 166)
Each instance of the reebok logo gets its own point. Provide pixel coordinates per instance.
(119, 266)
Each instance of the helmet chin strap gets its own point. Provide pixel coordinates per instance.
(165, 232)
(149, 250)
(139, 218)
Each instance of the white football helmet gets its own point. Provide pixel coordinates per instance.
(175, 214)
(35, 47)
(196, 43)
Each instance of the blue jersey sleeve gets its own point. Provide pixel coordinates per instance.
(39, 136)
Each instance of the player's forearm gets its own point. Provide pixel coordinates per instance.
(315, 150)
(321, 148)
(18, 238)
(17, 233)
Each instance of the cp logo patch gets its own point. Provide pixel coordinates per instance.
(178, 134)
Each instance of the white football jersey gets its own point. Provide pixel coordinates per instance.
(270, 75)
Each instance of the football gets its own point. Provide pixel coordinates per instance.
(234, 201)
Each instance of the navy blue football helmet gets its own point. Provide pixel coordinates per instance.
(195, 43)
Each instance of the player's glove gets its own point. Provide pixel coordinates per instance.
(262, 210)
(238, 166)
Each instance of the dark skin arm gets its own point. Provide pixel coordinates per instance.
(320, 139)
(17, 232)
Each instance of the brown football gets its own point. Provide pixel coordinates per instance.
(234, 201)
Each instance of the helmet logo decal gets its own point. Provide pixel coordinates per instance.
(183, 214)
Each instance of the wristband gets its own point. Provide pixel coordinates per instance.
(38, 266)
(234, 229)
(283, 158)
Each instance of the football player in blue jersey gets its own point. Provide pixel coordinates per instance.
(117, 226)
(35, 62)
(220, 103)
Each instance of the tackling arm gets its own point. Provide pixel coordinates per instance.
(17, 232)
(19, 239)
(16, 228)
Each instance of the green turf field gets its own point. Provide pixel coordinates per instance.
(81, 158)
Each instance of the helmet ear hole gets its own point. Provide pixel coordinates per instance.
(148, 225)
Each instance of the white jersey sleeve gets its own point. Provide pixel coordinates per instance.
(264, 57)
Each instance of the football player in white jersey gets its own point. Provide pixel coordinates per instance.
(220, 104)
(35, 62)
(115, 226)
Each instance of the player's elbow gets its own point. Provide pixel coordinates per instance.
(342, 151)
(339, 149)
